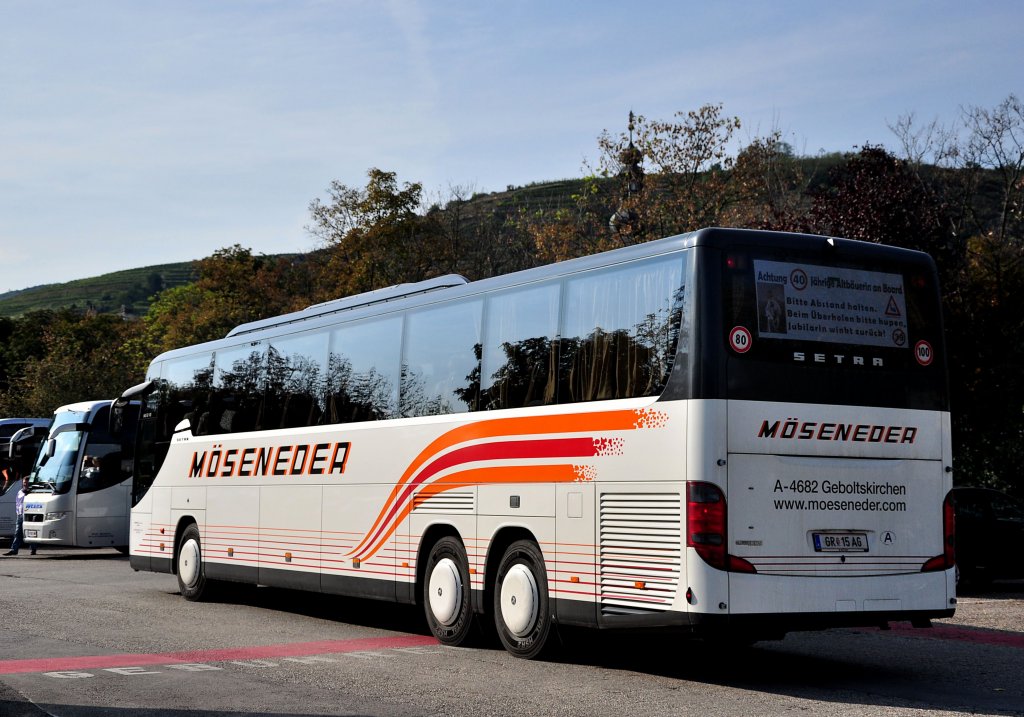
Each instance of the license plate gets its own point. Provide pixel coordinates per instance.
(840, 542)
(31, 533)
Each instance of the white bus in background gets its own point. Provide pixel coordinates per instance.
(80, 485)
(14, 464)
(727, 432)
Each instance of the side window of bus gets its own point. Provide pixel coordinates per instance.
(621, 330)
(520, 353)
(238, 387)
(363, 370)
(187, 385)
(102, 466)
(441, 364)
(296, 377)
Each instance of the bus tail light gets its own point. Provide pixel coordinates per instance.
(706, 527)
(948, 557)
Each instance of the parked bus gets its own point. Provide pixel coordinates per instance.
(726, 431)
(15, 460)
(80, 485)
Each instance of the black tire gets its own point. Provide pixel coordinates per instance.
(522, 611)
(447, 599)
(189, 566)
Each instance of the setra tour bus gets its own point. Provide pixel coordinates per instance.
(726, 432)
(80, 485)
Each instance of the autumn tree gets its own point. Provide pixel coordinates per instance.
(688, 161)
(375, 236)
(234, 286)
(82, 358)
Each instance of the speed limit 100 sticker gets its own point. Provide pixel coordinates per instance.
(740, 340)
(923, 353)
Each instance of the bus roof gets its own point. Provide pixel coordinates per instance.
(29, 421)
(82, 406)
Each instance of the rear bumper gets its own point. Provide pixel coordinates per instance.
(774, 625)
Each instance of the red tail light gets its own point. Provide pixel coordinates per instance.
(948, 557)
(706, 527)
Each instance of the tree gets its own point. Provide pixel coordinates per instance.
(689, 180)
(82, 359)
(234, 287)
(373, 237)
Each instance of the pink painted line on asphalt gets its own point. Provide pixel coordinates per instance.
(976, 635)
(297, 649)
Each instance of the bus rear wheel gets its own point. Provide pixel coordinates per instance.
(189, 565)
(522, 612)
(446, 592)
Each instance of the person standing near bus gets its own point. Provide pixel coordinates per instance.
(19, 509)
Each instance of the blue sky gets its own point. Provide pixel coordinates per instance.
(140, 133)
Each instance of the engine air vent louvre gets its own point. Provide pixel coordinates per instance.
(640, 544)
(447, 502)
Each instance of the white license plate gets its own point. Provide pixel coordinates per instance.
(31, 533)
(840, 542)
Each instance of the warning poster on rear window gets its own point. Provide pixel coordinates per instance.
(807, 302)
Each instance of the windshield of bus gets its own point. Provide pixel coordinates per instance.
(57, 471)
(857, 327)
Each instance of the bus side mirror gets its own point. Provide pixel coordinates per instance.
(120, 404)
(51, 447)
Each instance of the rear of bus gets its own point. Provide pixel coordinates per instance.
(820, 458)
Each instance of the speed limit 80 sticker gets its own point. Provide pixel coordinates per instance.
(740, 339)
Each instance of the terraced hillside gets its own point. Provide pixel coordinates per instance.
(130, 289)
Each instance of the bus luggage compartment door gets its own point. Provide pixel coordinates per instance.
(834, 517)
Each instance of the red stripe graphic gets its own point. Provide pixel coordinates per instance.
(298, 649)
(599, 422)
(503, 450)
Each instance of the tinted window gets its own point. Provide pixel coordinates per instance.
(186, 385)
(520, 352)
(620, 331)
(441, 367)
(363, 371)
(103, 463)
(238, 385)
(296, 378)
(847, 327)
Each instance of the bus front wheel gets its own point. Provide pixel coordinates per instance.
(522, 613)
(446, 592)
(191, 573)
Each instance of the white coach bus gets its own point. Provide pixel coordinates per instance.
(80, 485)
(727, 431)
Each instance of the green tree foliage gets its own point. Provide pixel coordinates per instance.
(80, 358)
(234, 287)
(375, 237)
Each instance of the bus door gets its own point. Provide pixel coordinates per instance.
(102, 490)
